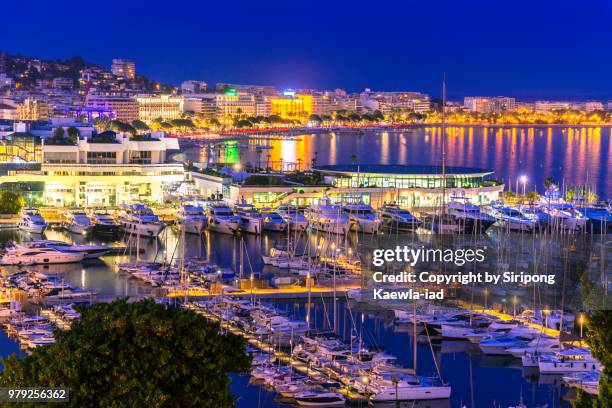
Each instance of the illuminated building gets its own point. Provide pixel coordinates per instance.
(8, 109)
(549, 106)
(123, 108)
(33, 109)
(62, 83)
(101, 171)
(314, 103)
(386, 102)
(288, 107)
(224, 106)
(485, 104)
(164, 107)
(124, 68)
(192, 86)
(591, 106)
(409, 186)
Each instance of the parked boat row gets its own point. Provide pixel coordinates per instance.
(517, 338)
(320, 369)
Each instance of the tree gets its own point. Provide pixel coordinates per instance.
(533, 196)
(599, 329)
(135, 354)
(549, 182)
(140, 125)
(182, 123)
(10, 203)
(58, 133)
(73, 134)
(122, 127)
(101, 123)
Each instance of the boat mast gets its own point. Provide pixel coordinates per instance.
(444, 143)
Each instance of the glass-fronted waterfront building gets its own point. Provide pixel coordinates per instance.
(408, 186)
(402, 176)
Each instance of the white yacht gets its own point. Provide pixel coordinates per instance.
(32, 221)
(221, 218)
(563, 215)
(138, 219)
(500, 345)
(469, 214)
(512, 219)
(568, 361)
(403, 385)
(272, 221)
(362, 218)
(77, 222)
(104, 223)
(192, 218)
(319, 399)
(89, 251)
(37, 256)
(398, 219)
(328, 217)
(293, 216)
(251, 220)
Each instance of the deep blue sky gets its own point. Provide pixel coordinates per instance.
(529, 49)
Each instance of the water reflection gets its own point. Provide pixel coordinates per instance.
(573, 156)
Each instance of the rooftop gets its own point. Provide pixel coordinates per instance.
(400, 169)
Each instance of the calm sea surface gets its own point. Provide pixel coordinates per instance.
(573, 156)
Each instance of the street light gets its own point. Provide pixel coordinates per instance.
(486, 293)
(514, 300)
(546, 313)
(581, 325)
(524, 182)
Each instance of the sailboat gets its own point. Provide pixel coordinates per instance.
(442, 222)
(390, 383)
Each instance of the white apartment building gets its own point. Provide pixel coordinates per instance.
(164, 107)
(486, 104)
(550, 106)
(124, 68)
(125, 108)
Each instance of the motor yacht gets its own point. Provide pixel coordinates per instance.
(32, 221)
(362, 218)
(328, 217)
(568, 361)
(251, 220)
(395, 218)
(511, 219)
(77, 222)
(599, 218)
(319, 399)
(500, 345)
(293, 216)
(469, 214)
(36, 256)
(399, 386)
(192, 219)
(273, 221)
(104, 223)
(89, 251)
(445, 223)
(221, 218)
(138, 219)
(563, 215)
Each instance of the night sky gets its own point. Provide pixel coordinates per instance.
(528, 49)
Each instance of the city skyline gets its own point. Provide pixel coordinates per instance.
(484, 50)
